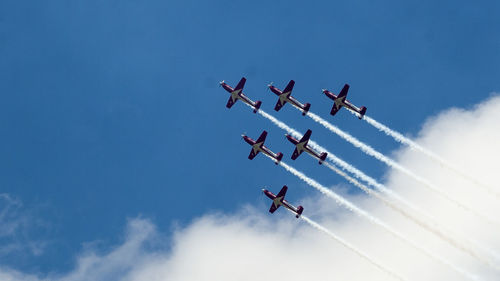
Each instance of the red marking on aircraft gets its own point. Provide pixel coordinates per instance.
(279, 200)
(285, 96)
(340, 101)
(301, 145)
(258, 146)
(237, 94)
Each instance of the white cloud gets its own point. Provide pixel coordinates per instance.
(252, 245)
(16, 227)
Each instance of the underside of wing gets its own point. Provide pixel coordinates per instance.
(296, 154)
(230, 102)
(335, 109)
(273, 208)
(279, 104)
(252, 154)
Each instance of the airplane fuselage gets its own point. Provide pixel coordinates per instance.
(285, 97)
(237, 94)
(260, 147)
(302, 146)
(342, 102)
(279, 201)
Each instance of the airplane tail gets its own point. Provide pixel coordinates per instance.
(362, 112)
(257, 106)
(322, 157)
(300, 209)
(306, 109)
(279, 156)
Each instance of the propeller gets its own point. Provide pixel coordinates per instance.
(221, 82)
(262, 193)
(270, 84)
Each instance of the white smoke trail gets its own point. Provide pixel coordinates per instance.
(348, 167)
(404, 140)
(431, 228)
(350, 206)
(380, 187)
(372, 152)
(350, 247)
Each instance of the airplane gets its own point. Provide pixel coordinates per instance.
(279, 200)
(301, 145)
(285, 96)
(340, 101)
(258, 146)
(237, 93)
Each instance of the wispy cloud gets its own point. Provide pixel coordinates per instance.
(16, 227)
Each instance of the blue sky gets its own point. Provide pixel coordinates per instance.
(112, 110)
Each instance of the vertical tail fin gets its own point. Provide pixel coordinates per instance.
(279, 156)
(257, 106)
(306, 108)
(362, 112)
(300, 209)
(322, 157)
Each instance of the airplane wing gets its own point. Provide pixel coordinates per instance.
(230, 102)
(282, 192)
(343, 93)
(279, 105)
(262, 137)
(252, 154)
(289, 87)
(306, 137)
(241, 84)
(335, 108)
(296, 154)
(273, 208)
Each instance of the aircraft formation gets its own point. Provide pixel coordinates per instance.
(302, 143)
(285, 96)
